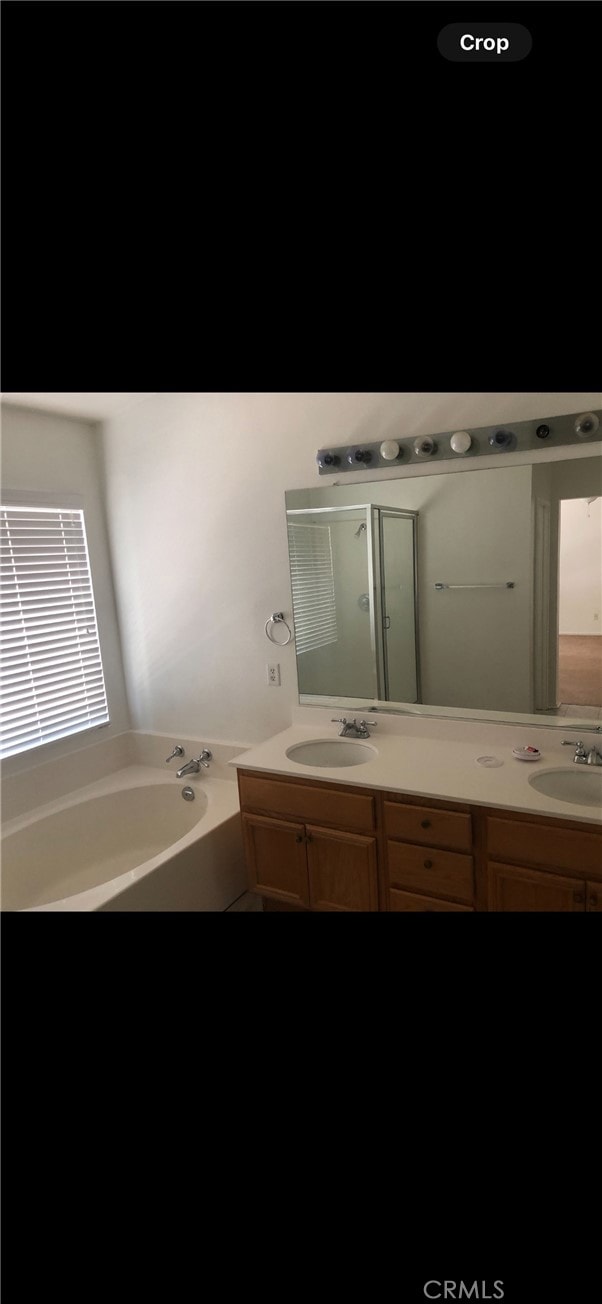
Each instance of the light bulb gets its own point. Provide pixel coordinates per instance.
(460, 442)
(586, 425)
(424, 446)
(389, 450)
(501, 439)
(328, 459)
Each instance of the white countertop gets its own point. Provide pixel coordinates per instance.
(435, 758)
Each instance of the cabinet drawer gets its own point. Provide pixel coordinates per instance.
(425, 824)
(410, 901)
(544, 846)
(429, 870)
(349, 810)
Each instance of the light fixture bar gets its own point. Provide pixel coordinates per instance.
(465, 445)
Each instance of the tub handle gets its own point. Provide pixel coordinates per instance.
(177, 751)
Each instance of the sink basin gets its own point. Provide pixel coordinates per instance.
(331, 753)
(581, 784)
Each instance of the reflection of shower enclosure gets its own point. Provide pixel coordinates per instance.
(353, 575)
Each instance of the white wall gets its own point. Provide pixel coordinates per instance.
(52, 454)
(195, 490)
(580, 567)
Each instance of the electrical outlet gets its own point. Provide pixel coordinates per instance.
(273, 674)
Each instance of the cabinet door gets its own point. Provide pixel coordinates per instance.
(342, 870)
(594, 896)
(276, 858)
(514, 888)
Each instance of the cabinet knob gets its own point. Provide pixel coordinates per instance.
(425, 824)
(308, 838)
(593, 899)
(428, 864)
(298, 837)
(578, 898)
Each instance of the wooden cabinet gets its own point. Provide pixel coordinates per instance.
(542, 864)
(428, 850)
(317, 846)
(312, 865)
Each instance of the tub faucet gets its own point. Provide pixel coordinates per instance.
(193, 766)
(177, 751)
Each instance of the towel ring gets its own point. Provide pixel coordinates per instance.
(277, 618)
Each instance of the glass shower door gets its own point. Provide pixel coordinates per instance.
(330, 552)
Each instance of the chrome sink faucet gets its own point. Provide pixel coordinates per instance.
(582, 755)
(354, 728)
(193, 766)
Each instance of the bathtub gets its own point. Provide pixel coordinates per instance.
(128, 841)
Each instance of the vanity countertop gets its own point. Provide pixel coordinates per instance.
(427, 759)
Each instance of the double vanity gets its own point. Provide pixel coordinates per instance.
(420, 816)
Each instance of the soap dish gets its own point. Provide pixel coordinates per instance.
(526, 753)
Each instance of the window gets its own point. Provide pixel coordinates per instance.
(51, 668)
(312, 581)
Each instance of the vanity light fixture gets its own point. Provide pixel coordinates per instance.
(460, 442)
(393, 455)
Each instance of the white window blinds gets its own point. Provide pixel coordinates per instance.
(312, 578)
(51, 668)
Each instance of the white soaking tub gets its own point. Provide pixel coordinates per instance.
(128, 841)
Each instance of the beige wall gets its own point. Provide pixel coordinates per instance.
(195, 491)
(59, 455)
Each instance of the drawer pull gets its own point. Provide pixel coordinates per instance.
(425, 824)
(299, 837)
(428, 864)
(593, 900)
(578, 898)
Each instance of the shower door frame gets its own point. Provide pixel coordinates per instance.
(382, 669)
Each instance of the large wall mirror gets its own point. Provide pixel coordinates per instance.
(472, 592)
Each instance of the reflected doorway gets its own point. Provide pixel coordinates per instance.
(579, 682)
